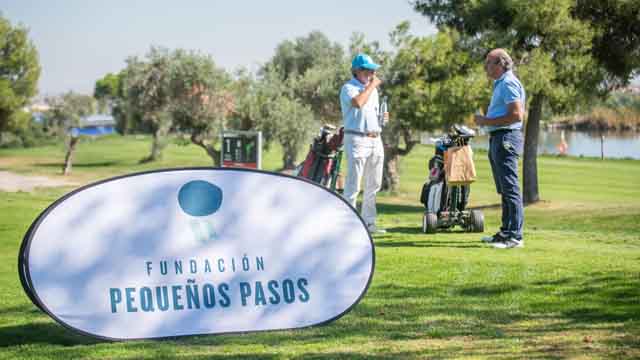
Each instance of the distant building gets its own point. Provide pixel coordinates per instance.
(94, 125)
(38, 108)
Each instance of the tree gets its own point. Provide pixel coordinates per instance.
(314, 68)
(66, 112)
(268, 104)
(147, 88)
(201, 99)
(19, 74)
(108, 89)
(290, 123)
(432, 84)
(296, 57)
(616, 44)
(110, 93)
(551, 49)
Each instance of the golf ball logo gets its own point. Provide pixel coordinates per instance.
(200, 199)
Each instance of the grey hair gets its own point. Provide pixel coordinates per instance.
(505, 60)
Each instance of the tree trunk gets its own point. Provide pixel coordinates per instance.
(159, 141)
(392, 152)
(211, 151)
(529, 166)
(159, 144)
(68, 159)
(390, 174)
(289, 159)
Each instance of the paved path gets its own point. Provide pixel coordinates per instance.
(12, 182)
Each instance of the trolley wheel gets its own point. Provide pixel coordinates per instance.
(477, 221)
(429, 223)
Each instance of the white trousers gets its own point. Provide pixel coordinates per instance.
(365, 159)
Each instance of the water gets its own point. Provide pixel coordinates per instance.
(579, 143)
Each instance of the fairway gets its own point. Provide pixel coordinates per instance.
(573, 291)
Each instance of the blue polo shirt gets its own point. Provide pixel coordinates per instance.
(506, 90)
(364, 119)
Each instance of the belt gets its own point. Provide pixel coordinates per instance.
(502, 131)
(370, 134)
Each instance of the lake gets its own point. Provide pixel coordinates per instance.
(579, 143)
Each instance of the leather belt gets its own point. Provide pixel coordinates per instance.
(370, 134)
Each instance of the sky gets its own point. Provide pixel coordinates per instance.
(79, 41)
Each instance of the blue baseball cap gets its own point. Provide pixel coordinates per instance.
(363, 61)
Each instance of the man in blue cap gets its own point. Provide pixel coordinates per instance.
(362, 142)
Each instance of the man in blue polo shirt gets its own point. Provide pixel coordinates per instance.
(362, 142)
(504, 123)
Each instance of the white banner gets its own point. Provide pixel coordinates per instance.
(196, 251)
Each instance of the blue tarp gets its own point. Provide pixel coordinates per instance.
(94, 125)
(92, 131)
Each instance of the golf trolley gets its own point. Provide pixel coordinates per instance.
(445, 205)
(322, 164)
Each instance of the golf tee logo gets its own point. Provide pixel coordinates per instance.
(200, 199)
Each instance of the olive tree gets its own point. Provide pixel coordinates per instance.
(201, 99)
(65, 113)
(146, 85)
(269, 104)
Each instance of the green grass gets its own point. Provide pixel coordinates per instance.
(572, 292)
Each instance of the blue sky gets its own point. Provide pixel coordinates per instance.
(80, 41)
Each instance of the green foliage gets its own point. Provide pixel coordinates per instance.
(33, 134)
(268, 104)
(147, 89)
(616, 44)
(201, 99)
(19, 74)
(146, 85)
(109, 87)
(318, 87)
(296, 57)
(551, 49)
(434, 82)
(314, 69)
(111, 95)
(67, 111)
(200, 94)
(290, 123)
(108, 91)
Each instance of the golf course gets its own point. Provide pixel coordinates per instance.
(572, 291)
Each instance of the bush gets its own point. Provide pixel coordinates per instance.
(32, 136)
(621, 112)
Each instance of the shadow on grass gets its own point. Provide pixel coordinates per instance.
(481, 310)
(42, 333)
(484, 207)
(394, 209)
(428, 244)
(444, 238)
(81, 164)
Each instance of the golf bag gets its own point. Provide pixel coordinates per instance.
(445, 205)
(322, 164)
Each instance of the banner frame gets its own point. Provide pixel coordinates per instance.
(25, 246)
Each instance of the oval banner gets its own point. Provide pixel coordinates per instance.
(196, 251)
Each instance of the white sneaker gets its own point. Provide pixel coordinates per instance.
(508, 244)
(495, 238)
(373, 229)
